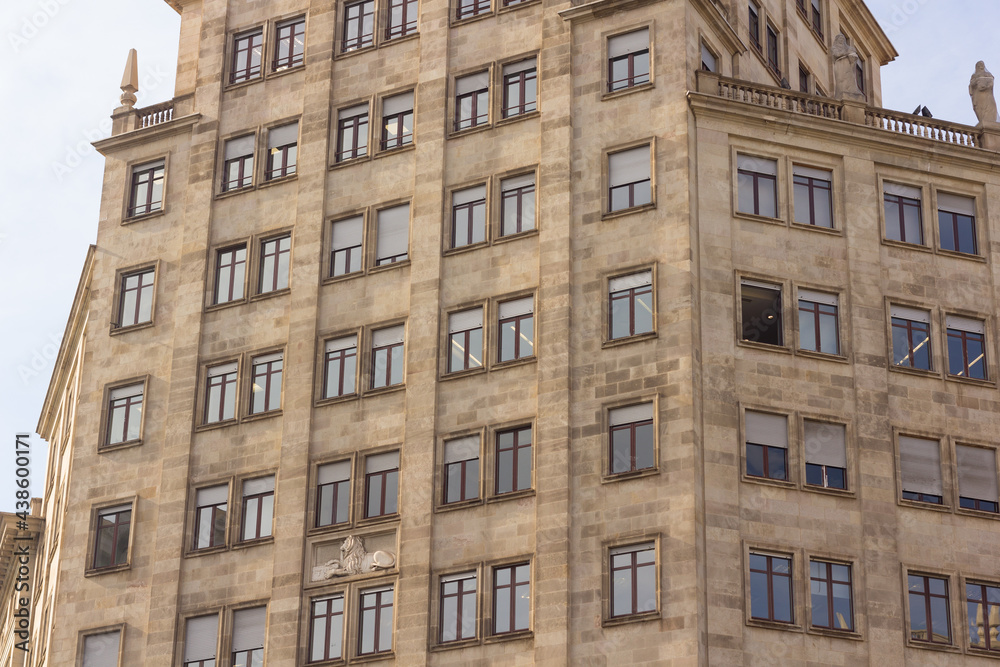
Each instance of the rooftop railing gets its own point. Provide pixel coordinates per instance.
(155, 114)
(918, 126)
(779, 98)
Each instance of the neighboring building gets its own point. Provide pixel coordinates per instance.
(19, 542)
(529, 333)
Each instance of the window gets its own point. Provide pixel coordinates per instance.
(124, 414)
(633, 580)
(265, 391)
(513, 461)
(708, 59)
(983, 604)
(767, 445)
(402, 18)
(770, 588)
(517, 324)
(345, 253)
(220, 394)
(977, 479)
(340, 366)
(258, 508)
(375, 624)
(930, 620)
(101, 650)
(629, 183)
(136, 298)
(628, 60)
(248, 51)
(146, 192)
(757, 180)
(803, 87)
(632, 438)
(333, 493)
(397, 121)
(966, 347)
(520, 88)
(282, 151)
(859, 73)
(831, 593)
(903, 219)
(817, 20)
(392, 244)
(359, 25)
(511, 598)
(230, 273)
(274, 256)
(472, 100)
(467, 8)
(772, 50)
(210, 514)
(238, 166)
(290, 46)
(381, 484)
(630, 307)
(957, 222)
(920, 469)
(461, 469)
(468, 216)
(458, 607)
(326, 627)
(517, 204)
(813, 195)
(826, 454)
(387, 357)
(753, 22)
(201, 636)
(819, 329)
(911, 338)
(111, 543)
(465, 340)
(352, 133)
(249, 626)
(761, 311)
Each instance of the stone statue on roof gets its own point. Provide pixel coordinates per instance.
(845, 66)
(981, 91)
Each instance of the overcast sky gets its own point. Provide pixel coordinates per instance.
(63, 65)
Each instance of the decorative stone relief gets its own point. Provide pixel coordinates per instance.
(981, 90)
(354, 559)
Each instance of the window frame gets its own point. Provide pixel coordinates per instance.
(606, 199)
(286, 171)
(754, 12)
(248, 411)
(447, 371)
(965, 336)
(957, 496)
(608, 474)
(261, 255)
(408, 27)
(965, 582)
(494, 460)
(204, 394)
(315, 496)
(980, 232)
(377, 589)
(606, 88)
(373, 261)
(232, 41)
(469, 207)
(225, 188)
(324, 364)
(121, 275)
(644, 539)
(497, 324)
(944, 458)
(239, 538)
(759, 282)
(441, 483)
(608, 305)
(773, 51)
(793, 564)
(327, 260)
(497, 207)
(456, 574)
(338, 126)
(364, 483)
(792, 438)
(830, 581)
(512, 565)
(455, 102)
(933, 353)
(817, 313)
(812, 188)
(371, 353)
(928, 574)
(906, 182)
(82, 636)
(105, 424)
(757, 176)
(135, 170)
(327, 596)
(277, 65)
(403, 141)
(91, 568)
(243, 244)
(522, 78)
(850, 475)
(192, 543)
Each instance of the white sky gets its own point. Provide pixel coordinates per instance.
(63, 65)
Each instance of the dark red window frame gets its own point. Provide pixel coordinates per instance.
(281, 161)
(387, 476)
(243, 176)
(149, 178)
(630, 296)
(248, 657)
(632, 566)
(770, 573)
(986, 643)
(467, 8)
(226, 385)
(387, 350)
(758, 177)
(634, 77)
(352, 137)
(332, 491)
(214, 539)
(374, 600)
(355, 16)
(901, 203)
(462, 482)
(242, 67)
(517, 449)
(829, 579)
(128, 404)
(767, 451)
(772, 50)
(520, 81)
(231, 259)
(812, 185)
(803, 80)
(401, 137)
(462, 594)
(817, 20)
(263, 374)
(952, 220)
(478, 98)
(964, 337)
(754, 25)
(510, 591)
(464, 215)
(818, 310)
(290, 38)
(464, 339)
(118, 529)
(515, 197)
(326, 617)
(632, 429)
(911, 327)
(928, 615)
(348, 254)
(407, 23)
(143, 289)
(340, 359)
(272, 250)
(259, 511)
(516, 321)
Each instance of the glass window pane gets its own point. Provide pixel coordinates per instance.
(472, 479)
(621, 450)
(745, 197)
(893, 231)
(911, 220)
(767, 197)
(501, 617)
(823, 208)
(776, 463)
(807, 328)
(818, 594)
(946, 225)
(644, 313)
(782, 597)
(842, 616)
(802, 215)
(622, 594)
(758, 595)
(646, 589)
(755, 460)
(828, 336)
(939, 620)
(644, 447)
(527, 338)
(524, 468)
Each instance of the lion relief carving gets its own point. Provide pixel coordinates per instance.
(354, 559)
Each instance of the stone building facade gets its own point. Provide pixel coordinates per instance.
(440, 333)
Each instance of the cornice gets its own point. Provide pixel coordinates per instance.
(111, 145)
(871, 32)
(713, 14)
(601, 8)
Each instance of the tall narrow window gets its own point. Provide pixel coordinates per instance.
(770, 588)
(859, 73)
(333, 493)
(340, 366)
(465, 340)
(966, 347)
(136, 298)
(709, 63)
(983, 605)
(472, 100)
(832, 596)
(359, 25)
(930, 618)
(274, 258)
(210, 514)
(803, 87)
(628, 60)
(826, 454)
(345, 253)
(753, 21)
(819, 328)
(282, 151)
(458, 607)
(511, 598)
(773, 60)
(920, 469)
(517, 204)
(290, 44)
(633, 580)
(911, 338)
(766, 445)
(265, 393)
(230, 273)
(903, 217)
(632, 438)
(629, 183)
(124, 414)
(761, 311)
(102, 649)
(467, 8)
(352, 132)
(201, 636)
(630, 307)
(461, 469)
(813, 195)
(513, 461)
(381, 484)
(220, 394)
(248, 51)
(375, 622)
(326, 627)
(249, 626)
(517, 329)
(468, 216)
(111, 542)
(977, 479)
(402, 18)
(397, 121)
(146, 192)
(238, 166)
(957, 222)
(757, 180)
(817, 20)
(258, 508)
(520, 88)
(392, 244)
(387, 357)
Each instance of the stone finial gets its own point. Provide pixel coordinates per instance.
(130, 80)
(981, 92)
